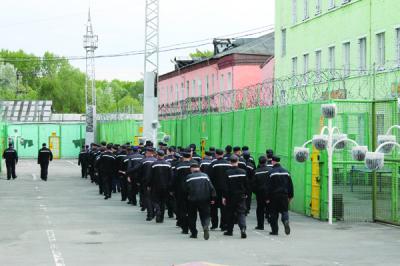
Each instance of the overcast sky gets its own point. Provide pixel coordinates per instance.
(37, 26)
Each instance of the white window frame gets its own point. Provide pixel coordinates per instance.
(200, 87)
(294, 11)
(212, 84)
(306, 62)
(182, 91)
(346, 58)
(283, 42)
(331, 4)
(193, 88)
(176, 94)
(306, 11)
(397, 31)
(380, 51)
(221, 83)
(294, 71)
(362, 46)
(187, 89)
(229, 81)
(207, 85)
(318, 7)
(331, 60)
(318, 64)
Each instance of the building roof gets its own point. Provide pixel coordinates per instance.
(261, 46)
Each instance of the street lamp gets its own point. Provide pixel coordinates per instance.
(329, 139)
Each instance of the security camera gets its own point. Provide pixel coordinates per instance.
(154, 124)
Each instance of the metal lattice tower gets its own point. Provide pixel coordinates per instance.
(150, 121)
(90, 44)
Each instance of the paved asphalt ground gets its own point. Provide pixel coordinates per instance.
(65, 222)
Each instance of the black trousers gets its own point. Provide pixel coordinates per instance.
(124, 187)
(204, 210)
(84, 170)
(261, 208)
(214, 212)
(171, 205)
(11, 170)
(132, 192)
(236, 208)
(149, 204)
(279, 205)
(107, 184)
(44, 170)
(159, 199)
(182, 212)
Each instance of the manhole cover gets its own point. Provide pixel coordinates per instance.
(94, 233)
(92, 243)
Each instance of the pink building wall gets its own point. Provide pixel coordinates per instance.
(232, 76)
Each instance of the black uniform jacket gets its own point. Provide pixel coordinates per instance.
(279, 182)
(199, 188)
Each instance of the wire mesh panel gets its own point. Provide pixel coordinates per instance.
(267, 129)
(215, 130)
(251, 127)
(238, 127)
(227, 129)
(72, 139)
(179, 134)
(299, 170)
(284, 134)
(195, 129)
(186, 131)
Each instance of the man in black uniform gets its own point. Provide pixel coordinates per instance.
(228, 152)
(259, 188)
(247, 149)
(242, 161)
(216, 173)
(44, 157)
(144, 172)
(108, 167)
(235, 196)
(279, 194)
(83, 161)
(91, 162)
(122, 180)
(131, 161)
(182, 170)
(206, 162)
(159, 183)
(200, 194)
(97, 169)
(269, 154)
(173, 161)
(195, 156)
(250, 174)
(11, 157)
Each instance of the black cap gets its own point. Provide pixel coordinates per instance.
(228, 148)
(246, 155)
(160, 153)
(178, 156)
(10, 144)
(193, 146)
(149, 149)
(276, 158)
(262, 160)
(135, 148)
(44, 145)
(269, 153)
(234, 159)
(194, 165)
(171, 149)
(208, 153)
(186, 154)
(103, 143)
(236, 149)
(245, 148)
(219, 152)
(212, 149)
(109, 146)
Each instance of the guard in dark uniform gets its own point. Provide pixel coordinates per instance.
(132, 160)
(234, 197)
(108, 167)
(122, 180)
(159, 183)
(228, 152)
(200, 194)
(10, 155)
(279, 194)
(182, 170)
(260, 188)
(83, 161)
(195, 156)
(206, 162)
(45, 156)
(250, 167)
(216, 173)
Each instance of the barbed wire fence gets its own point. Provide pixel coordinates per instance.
(377, 83)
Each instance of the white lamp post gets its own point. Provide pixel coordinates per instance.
(329, 141)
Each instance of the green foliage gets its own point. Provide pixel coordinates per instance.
(27, 77)
(202, 54)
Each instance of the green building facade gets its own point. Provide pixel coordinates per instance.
(338, 49)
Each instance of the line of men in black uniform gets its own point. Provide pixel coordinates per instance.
(10, 155)
(218, 187)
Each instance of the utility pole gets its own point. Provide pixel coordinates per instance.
(90, 44)
(151, 58)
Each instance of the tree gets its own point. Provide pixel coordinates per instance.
(202, 54)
